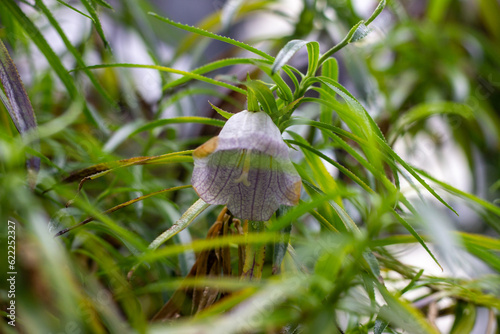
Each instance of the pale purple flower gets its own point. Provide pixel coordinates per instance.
(247, 168)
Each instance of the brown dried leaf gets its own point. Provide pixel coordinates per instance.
(108, 166)
(213, 263)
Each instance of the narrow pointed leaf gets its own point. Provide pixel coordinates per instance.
(104, 4)
(74, 9)
(215, 65)
(403, 314)
(179, 120)
(97, 22)
(170, 70)
(313, 57)
(229, 11)
(121, 206)
(286, 53)
(376, 12)
(223, 113)
(74, 51)
(54, 60)
(264, 96)
(281, 243)
(213, 36)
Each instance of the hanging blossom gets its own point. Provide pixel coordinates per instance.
(247, 168)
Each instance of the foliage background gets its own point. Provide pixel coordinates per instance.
(427, 74)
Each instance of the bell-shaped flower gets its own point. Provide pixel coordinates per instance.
(247, 168)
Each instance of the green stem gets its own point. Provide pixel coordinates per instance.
(187, 218)
(339, 46)
(254, 254)
(347, 39)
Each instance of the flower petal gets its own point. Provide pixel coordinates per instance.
(213, 176)
(247, 167)
(253, 131)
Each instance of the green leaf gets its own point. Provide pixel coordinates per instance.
(262, 64)
(286, 53)
(74, 51)
(436, 10)
(53, 59)
(414, 233)
(329, 216)
(372, 263)
(380, 325)
(341, 168)
(178, 120)
(284, 92)
(379, 175)
(412, 171)
(120, 206)
(485, 204)
(341, 45)
(359, 121)
(403, 314)
(280, 246)
(465, 318)
(376, 12)
(74, 9)
(103, 3)
(412, 283)
(170, 70)
(215, 65)
(95, 18)
(331, 132)
(490, 10)
(468, 239)
(300, 210)
(320, 174)
(313, 57)
(265, 97)
(485, 255)
(252, 102)
(289, 108)
(480, 241)
(223, 113)
(330, 261)
(187, 218)
(357, 31)
(212, 22)
(207, 91)
(214, 36)
(391, 157)
(426, 110)
(330, 69)
(229, 11)
(321, 180)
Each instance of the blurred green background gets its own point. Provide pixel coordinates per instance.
(427, 73)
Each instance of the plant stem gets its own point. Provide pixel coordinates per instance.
(347, 39)
(187, 218)
(254, 253)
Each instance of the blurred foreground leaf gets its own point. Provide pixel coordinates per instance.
(18, 105)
